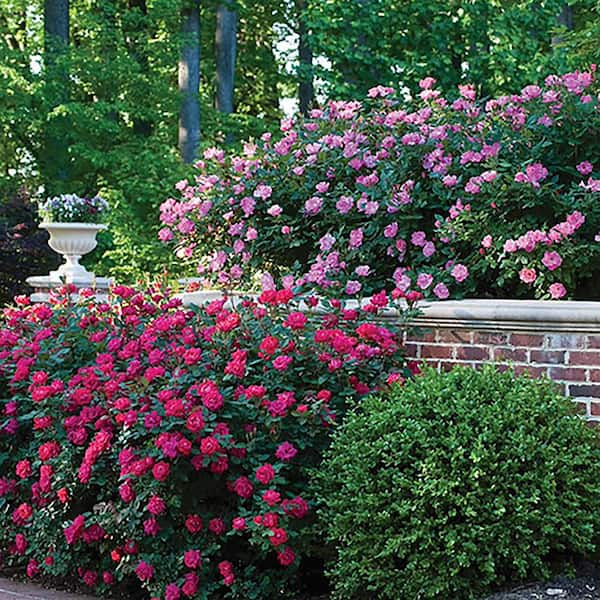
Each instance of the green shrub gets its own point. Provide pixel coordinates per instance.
(457, 483)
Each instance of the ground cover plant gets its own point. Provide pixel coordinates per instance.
(445, 196)
(457, 483)
(141, 441)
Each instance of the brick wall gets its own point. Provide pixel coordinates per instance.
(571, 358)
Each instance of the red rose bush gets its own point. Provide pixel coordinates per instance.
(146, 443)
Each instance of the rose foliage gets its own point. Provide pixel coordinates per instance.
(142, 442)
(447, 196)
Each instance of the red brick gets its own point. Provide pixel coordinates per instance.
(591, 358)
(595, 409)
(454, 337)
(411, 349)
(566, 340)
(492, 339)
(425, 335)
(510, 354)
(595, 375)
(580, 407)
(529, 340)
(592, 391)
(433, 351)
(473, 353)
(594, 341)
(567, 373)
(533, 371)
(554, 357)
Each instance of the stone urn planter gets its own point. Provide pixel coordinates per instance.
(72, 240)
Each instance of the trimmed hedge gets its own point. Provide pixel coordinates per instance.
(456, 483)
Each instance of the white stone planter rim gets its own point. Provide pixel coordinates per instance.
(72, 225)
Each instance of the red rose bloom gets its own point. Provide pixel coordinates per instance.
(193, 524)
(161, 470)
(265, 474)
(278, 536)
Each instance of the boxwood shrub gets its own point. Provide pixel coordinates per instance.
(456, 483)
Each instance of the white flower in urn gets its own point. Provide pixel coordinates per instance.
(70, 208)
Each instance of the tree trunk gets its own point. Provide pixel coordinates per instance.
(56, 28)
(189, 81)
(54, 161)
(225, 50)
(564, 19)
(305, 72)
(141, 127)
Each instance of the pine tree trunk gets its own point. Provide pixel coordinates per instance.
(305, 85)
(225, 50)
(189, 81)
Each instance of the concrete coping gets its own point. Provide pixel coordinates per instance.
(516, 315)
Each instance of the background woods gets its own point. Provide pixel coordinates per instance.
(118, 96)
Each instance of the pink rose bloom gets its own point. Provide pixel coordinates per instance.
(390, 230)
(510, 246)
(313, 205)
(165, 235)
(533, 174)
(424, 280)
(557, 290)
(441, 291)
(286, 451)
(418, 238)
(449, 180)
(527, 276)
(356, 238)
(344, 204)
(552, 260)
(326, 242)
(238, 523)
(275, 210)
(530, 92)
(322, 187)
(460, 272)
(353, 287)
(263, 191)
(486, 242)
(428, 249)
(362, 270)
(427, 83)
(585, 167)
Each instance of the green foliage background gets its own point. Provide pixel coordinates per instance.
(117, 122)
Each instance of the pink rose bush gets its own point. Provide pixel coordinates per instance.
(443, 196)
(144, 443)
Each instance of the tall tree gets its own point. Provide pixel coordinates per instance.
(55, 160)
(306, 90)
(225, 51)
(56, 29)
(189, 81)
